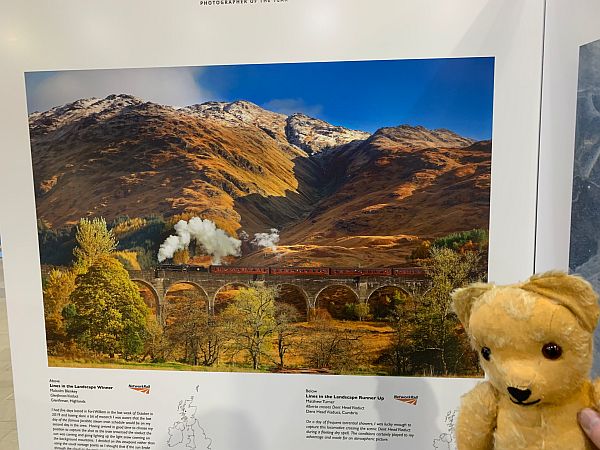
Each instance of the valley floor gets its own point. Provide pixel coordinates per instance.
(348, 347)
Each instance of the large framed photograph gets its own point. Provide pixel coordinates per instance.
(307, 223)
(261, 215)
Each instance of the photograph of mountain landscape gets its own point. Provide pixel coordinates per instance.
(290, 218)
(584, 254)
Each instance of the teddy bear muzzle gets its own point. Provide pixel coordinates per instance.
(519, 396)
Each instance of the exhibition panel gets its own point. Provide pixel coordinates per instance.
(237, 224)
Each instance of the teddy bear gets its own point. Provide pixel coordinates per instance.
(534, 341)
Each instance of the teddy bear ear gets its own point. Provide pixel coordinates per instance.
(570, 291)
(464, 298)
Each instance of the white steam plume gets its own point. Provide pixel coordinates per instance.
(215, 241)
(169, 247)
(267, 240)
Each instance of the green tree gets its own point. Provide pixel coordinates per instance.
(435, 321)
(250, 322)
(477, 239)
(107, 314)
(58, 286)
(362, 311)
(399, 354)
(94, 240)
(428, 338)
(56, 245)
(356, 311)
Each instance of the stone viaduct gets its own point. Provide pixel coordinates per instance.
(160, 281)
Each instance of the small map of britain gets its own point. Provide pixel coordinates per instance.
(187, 432)
(446, 441)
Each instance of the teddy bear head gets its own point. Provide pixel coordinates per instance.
(534, 339)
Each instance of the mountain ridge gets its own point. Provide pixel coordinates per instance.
(335, 193)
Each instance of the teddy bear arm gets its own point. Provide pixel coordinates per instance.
(476, 420)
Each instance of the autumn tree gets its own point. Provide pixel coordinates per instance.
(286, 316)
(156, 345)
(383, 303)
(94, 241)
(329, 347)
(58, 286)
(107, 313)
(181, 256)
(250, 322)
(422, 251)
(191, 332)
(212, 342)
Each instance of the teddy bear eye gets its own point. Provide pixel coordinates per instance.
(551, 350)
(486, 352)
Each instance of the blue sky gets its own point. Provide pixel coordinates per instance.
(437, 93)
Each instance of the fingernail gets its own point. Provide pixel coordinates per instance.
(588, 418)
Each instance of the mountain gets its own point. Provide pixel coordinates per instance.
(120, 155)
(241, 114)
(391, 191)
(309, 134)
(339, 196)
(314, 135)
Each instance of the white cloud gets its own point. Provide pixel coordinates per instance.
(290, 106)
(176, 86)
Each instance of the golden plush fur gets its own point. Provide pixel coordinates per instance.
(531, 398)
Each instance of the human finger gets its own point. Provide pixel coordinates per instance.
(590, 422)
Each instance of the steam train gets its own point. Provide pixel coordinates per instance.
(299, 271)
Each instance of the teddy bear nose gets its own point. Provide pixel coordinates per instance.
(519, 394)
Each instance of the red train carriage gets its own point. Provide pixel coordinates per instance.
(182, 268)
(405, 272)
(361, 272)
(300, 271)
(232, 270)
(409, 272)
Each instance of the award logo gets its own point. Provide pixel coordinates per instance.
(143, 388)
(408, 399)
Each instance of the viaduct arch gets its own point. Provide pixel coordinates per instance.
(210, 284)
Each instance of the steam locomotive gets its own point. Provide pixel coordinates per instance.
(299, 271)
